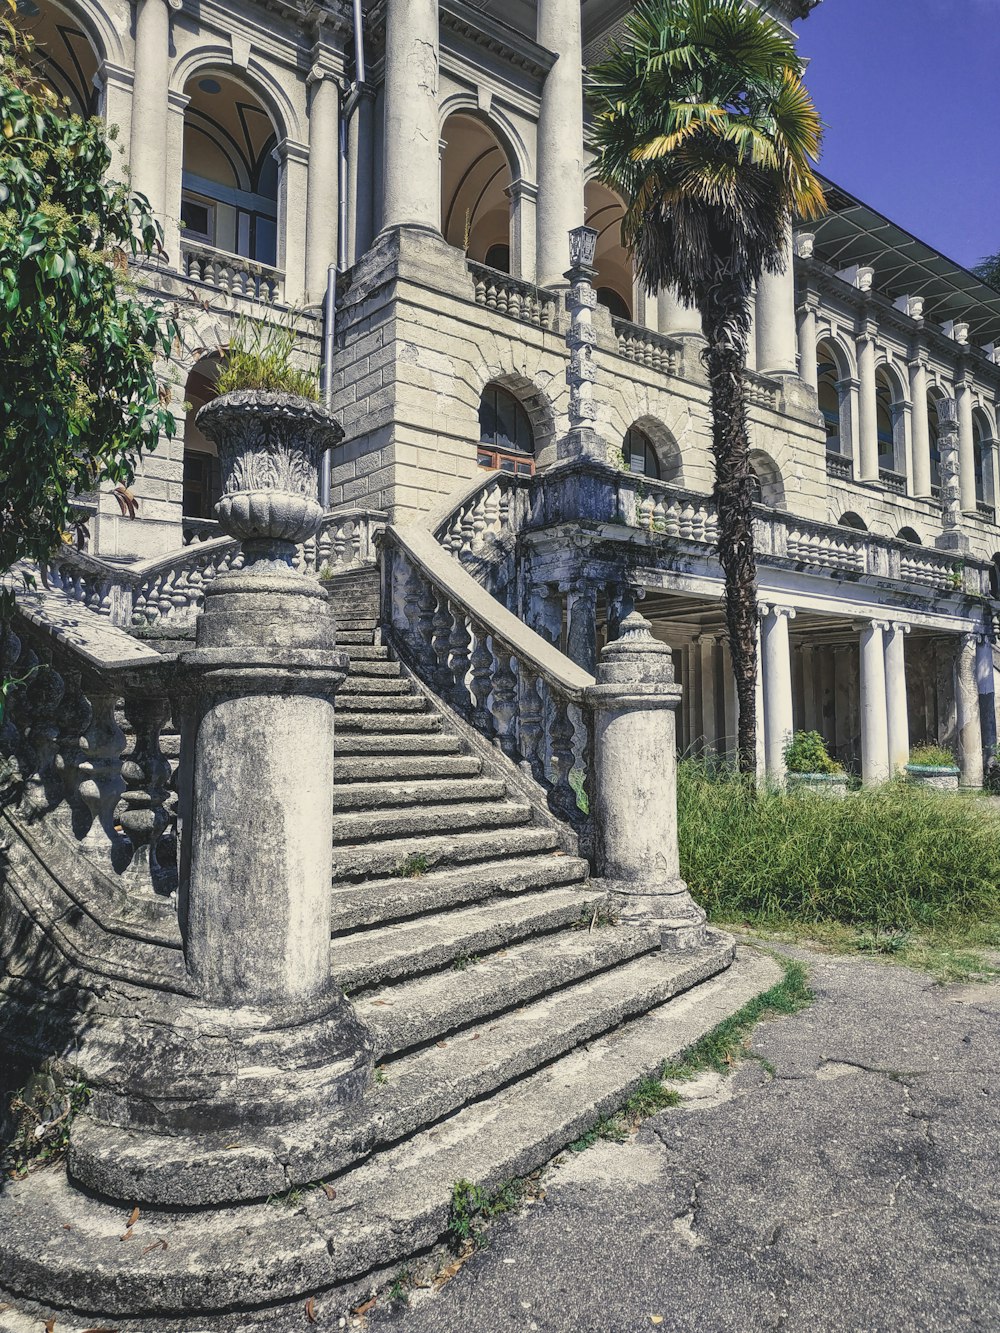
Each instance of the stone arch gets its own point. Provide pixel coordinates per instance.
(841, 352)
(891, 394)
(202, 483)
(668, 455)
(257, 77)
(983, 433)
(770, 486)
(478, 168)
(604, 211)
(500, 125)
(71, 45)
(853, 521)
(908, 534)
(834, 397)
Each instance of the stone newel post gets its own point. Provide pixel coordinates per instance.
(264, 673)
(635, 703)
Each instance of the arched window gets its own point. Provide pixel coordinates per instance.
(885, 413)
(909, 535)
(829, 405)
(934, 440)
(640, 456)
(853, 521)
(768, 483)
(756, 489)
(506, 440)
(982, 455)
(475, 178)
(604, 211)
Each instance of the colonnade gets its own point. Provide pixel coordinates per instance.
(853, 691)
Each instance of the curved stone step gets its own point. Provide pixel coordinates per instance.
(388, 900)
(389, 725)
(429, 943)
(377, 795)
(361, 827)
(394, 768)
(396, 1203)
(412, 857)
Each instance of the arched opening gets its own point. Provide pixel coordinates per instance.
(909, 535)
(834, 401)
(475, 179)
(769, 486)
(64, 55)
(889, 417)
(202, 483)
(853, 521)
(982, 444)
(506, 439)
(604, 212)
(639, 454)
(230, 182)
(934, 438)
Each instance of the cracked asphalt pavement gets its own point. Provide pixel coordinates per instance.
(855, 1189)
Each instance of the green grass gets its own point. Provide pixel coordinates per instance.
(472, 1209)
(892, 858)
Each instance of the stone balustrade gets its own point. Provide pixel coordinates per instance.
(232, 274)
(514, 297)
(170, 589)
(646, 347)
(509, 682)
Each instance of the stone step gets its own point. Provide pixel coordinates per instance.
(389, 900)
(430, 943)
(412, 857)
(368, 652)
(363, 827)
(366, 685)
(372, 741)
(409, 1015)
(374, 703)
(383, 1211)
(391, 768)
(362, 668)
(356, 623)
(346, 637)
(401, 795)
(387, 726)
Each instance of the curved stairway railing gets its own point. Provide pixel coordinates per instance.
(169, 589)
(514, 686)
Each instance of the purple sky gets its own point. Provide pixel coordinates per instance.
(910, 92)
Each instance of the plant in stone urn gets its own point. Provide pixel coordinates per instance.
(810, 768)
(271, 434)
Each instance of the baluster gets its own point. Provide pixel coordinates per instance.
(355, 533)
(479, 524)
(491, 295)
(480, 291)
(459, 643)
(505, 703)
(421, 626)
(441, 627)
(531, 723)
(43, 695)
(146, 775)
(99, 774)
(646, 511)
(491, 509)
(481, 681)
(10, 653)
(561, 736)
(468, 531)
(323, 544)
(504, 500)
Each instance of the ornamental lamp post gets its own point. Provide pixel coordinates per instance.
(582, 440)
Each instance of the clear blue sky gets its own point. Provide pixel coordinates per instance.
(910, 93)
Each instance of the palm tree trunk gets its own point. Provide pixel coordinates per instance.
(727, 324)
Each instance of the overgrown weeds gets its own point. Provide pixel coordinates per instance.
(472, 1208)
(261, 355)
(43, 1112)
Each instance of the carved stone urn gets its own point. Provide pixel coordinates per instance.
(270, 446)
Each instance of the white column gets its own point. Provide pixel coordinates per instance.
(874, 719)
(322, 211)
(293, 176)
(898, 729)
(778, 719)
(560, 138)
(149, 112)
(920, 427)
(361, 192)
(986, 685)
(970, 735)
(177, 104)
(759, 706)
(776, 336)
(674, 316)
(808, 366)
(411, 194)
(709, 716)
(730, 702)
(523, 227)
(966, 446)
(867, 455)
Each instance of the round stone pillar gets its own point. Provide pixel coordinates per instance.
(895, 696)
(966, 447)
(874, 722)
(675, 317)
(970, 735)
(322, 203)
(150, 107)
(560, 138)
(867, 455)
(921, 429)
(634, 798)
(411, 174)
(777, 673)
(776, 332)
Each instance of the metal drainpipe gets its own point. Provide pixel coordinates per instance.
(330, 300)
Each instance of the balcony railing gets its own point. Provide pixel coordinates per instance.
(512, 296)
(645, 347)
(232, 274)
(986, 511)
(892, 481)
(839, 466)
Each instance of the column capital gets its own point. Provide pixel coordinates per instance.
(866, 330)
(177, 101)
(918, 361)
(874, 623)
(289, 150)
(899, 626)
(521, 189)
(971, 638)
(770, 609)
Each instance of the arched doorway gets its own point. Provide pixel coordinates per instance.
(230, 182)
(475, 179)
(604, 212)
(64, 55)
(889, 416)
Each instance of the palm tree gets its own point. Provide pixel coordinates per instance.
(703, 124)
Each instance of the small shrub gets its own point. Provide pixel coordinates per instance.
(413, 867)
(259, 356)
(43, 1112)
(806, 752)
(932, 756)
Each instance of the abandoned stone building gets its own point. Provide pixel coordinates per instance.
(513, 526)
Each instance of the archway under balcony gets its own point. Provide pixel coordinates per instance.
(67, 54)
(231, 176)
(477, 172)
(604, 211)
(202, 482)
(833, 370)
(769, 485)
(648, 449)
(890, 396)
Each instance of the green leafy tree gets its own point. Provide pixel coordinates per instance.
(703, 124)
(988, 269)
(79, 397)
